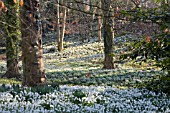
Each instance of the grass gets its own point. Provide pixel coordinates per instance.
(9, 81)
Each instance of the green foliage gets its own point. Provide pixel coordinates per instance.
(157, 1)
(87, 103)
(43, 89)
(46, 106)
(79, 94)
(3, 88)
(78, 98)
(100, 101)
(16, 90)
(155, 47)
(159, 85)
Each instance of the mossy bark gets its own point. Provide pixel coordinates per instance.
(32, 53)
(108, 33)
(12, 40)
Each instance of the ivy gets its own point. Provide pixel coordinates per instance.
(158, 48)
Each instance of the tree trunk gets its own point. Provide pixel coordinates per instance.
(99, 28)
(12, 40)
(99, 23)
(58, 22)
(32, 53)
(108, 34)
(61, 33)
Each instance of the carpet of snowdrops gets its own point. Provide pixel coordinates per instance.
(84, 99)
(104, 91)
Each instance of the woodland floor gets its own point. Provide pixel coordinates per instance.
(80, 65)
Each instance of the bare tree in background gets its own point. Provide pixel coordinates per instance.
(62, 16)
(108, 33)
(99, 22)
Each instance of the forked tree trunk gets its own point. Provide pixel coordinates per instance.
(108, 33)
(12, 40)
(32, 53)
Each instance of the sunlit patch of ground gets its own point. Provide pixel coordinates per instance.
(79, 84)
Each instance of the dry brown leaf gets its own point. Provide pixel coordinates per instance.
(21, 3)
(148, 39)
(2, 6)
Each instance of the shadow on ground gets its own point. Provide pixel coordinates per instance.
(117, 78)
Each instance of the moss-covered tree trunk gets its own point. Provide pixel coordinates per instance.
(108, 33)
(32, 53)
(12, 40)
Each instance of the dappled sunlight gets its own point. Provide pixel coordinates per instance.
(112, 58)
(84, 86)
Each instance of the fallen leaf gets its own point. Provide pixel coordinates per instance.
(2, 6)
(21, 3)
(148, 39)
(88, 74)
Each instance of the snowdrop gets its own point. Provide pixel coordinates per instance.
(103, 99)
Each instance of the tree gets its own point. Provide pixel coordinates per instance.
(12, 29)
(32, 52)
(99, 22)
(108, 33)
(60, 32)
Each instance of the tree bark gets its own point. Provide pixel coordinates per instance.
(99, 23)
(32, 53)
(58, 22)
(12, 40)
(60, 32)
(99, 28)
(108, 33)
(87, 7)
